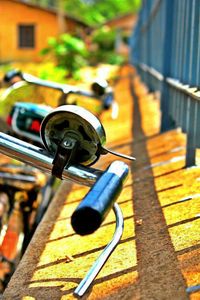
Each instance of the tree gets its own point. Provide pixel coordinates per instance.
(93, 12)
(96, 12)
(46, 3)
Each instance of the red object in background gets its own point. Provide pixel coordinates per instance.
(35, 125)
(9, 120)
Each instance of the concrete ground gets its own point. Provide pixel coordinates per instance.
(158, 255)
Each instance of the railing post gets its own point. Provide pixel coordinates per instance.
(166, 122)
(189, 76)
(191, 133)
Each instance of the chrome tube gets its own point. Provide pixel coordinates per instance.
(64, 88)
(40, 158)
(101, 260)
(50, 84)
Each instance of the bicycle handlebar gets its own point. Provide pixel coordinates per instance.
(100, 91)
(106, 186)
(65, 88)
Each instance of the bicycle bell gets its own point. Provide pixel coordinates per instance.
(73, 135)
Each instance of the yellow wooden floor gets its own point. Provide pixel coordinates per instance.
(158, 256)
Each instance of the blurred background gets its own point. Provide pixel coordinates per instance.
(55, 39)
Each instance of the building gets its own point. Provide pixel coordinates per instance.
(25, 28)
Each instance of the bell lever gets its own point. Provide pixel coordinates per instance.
(105, 151)
(64, 156)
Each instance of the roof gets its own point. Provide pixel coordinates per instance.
(122, 18)
(51, 10)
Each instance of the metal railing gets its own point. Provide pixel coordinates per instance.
(165, 48)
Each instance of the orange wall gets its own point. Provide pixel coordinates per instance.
(12, 14)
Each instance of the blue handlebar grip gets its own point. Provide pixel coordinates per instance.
(95, 206)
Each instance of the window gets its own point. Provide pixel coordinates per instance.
(26, 34)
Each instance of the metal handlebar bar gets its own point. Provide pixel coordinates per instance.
(39, 157)
(106, 185)
(100, 90)
(64, 88)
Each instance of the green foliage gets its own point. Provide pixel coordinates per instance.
(103, 41)
(69, 52)
(49, 71)
(107, 57)
(104, 38)
(95, 12)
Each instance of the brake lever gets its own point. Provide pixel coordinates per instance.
(103, 257)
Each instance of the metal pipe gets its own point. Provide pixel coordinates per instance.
(101, 260)
(193, 92)
(40, 158)
(159, 76)
(64, 88)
